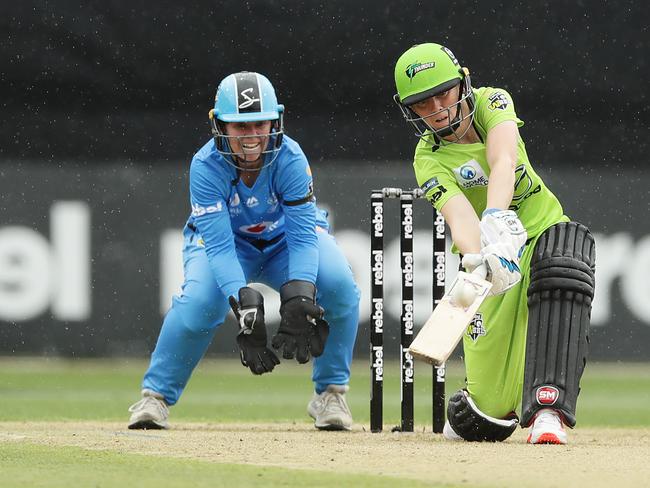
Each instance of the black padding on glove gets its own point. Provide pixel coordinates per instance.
(251, 339)
(303, 331)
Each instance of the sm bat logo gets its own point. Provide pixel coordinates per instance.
(547, 395)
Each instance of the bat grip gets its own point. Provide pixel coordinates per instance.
(481, 271)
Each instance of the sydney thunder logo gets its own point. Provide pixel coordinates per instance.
(414, 68)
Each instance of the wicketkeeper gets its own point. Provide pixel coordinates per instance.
(528, 343)
(254, 219)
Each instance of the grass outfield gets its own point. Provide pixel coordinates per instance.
(63, 423)
(613, 394)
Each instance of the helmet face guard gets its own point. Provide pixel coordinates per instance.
(223, 144)
(426, 70)
(246, 97)
(455, 115)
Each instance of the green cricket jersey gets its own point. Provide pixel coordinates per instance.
(495, 341)
(445, 171)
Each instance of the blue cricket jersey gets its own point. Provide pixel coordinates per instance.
(279, 205)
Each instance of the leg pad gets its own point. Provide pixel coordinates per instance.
(559, 310)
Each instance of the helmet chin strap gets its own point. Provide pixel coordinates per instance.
(243, 161)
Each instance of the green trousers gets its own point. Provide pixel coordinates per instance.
(495, 346)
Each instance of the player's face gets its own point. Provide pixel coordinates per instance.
(435, 110)
(248, 140)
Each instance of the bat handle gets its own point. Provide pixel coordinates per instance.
(481, 271)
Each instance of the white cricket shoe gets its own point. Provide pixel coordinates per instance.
(330, 410)
(449, 433)
(547, 428)
(149, 413)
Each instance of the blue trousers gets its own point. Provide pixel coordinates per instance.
(190, 324)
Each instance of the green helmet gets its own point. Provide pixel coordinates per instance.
(423, 71)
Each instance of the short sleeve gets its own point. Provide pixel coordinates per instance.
(495, 105)
(437, 184)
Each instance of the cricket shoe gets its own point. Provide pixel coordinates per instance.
(330, 410)
(149, 413)
(547, 428)
(449, 433)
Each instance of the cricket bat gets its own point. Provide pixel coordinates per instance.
(443, 330)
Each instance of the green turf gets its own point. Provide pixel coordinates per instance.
(224, 391)
(25, 465)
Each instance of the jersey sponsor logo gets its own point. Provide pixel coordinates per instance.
(547, 395)
(467, 172)
(437, 195)
(498, 101)
(272, 199)
(451, 55)
(256, 228)
(470, 175)
(198, 210)
(252, 202)
(523, 187)
(234, 205)
(429, 184)
(414, 68)
(476, 328)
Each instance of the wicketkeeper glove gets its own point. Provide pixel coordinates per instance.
(303, 331)
(251, 339)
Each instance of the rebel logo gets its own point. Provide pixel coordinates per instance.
(547, 395)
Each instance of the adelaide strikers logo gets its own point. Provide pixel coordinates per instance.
(414, 68)
(247, 98)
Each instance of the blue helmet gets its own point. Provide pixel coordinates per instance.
(246, 97)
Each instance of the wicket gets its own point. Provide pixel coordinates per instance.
(407, 376)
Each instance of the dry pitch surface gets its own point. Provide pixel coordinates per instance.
(594, 457)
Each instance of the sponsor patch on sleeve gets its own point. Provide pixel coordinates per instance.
(429, 184)
(437, 195)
